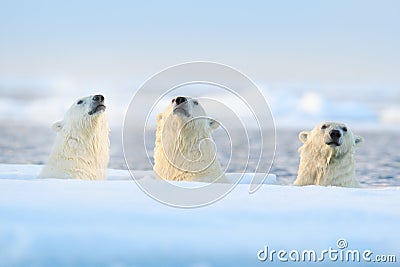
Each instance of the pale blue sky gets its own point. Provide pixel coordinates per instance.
(271, 41)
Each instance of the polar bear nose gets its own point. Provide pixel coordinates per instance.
(335, 134)
(98, 98)
(180, 99)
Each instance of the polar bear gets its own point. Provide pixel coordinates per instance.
(81, 149)
(184, 148)
(327, 156)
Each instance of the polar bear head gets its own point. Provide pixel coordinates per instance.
(184, 147)
(327, 156)
(184, 113)
(81, 149)
(83, 114)
(332, 136)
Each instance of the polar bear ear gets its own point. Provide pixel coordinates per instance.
(159, 117)
(213, 124)
(57, 126)
(303, 136)
(358, 140)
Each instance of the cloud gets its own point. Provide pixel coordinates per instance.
(307, 108)
(390, 115)
(311, 103)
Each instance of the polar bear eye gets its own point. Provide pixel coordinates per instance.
(324, 127)
(195, 102)
(79, 102)
(344, 129)
(173, 100)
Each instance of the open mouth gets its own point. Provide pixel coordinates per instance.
(333, 143)
(182, 111)
(97, 109)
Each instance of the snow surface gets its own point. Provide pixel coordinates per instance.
(54, 222)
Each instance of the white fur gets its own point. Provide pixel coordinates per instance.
(81, 149)
(184, 149)
(321, 164)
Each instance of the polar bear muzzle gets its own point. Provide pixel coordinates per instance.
(97, 105)
(181, 106)
(333, 136)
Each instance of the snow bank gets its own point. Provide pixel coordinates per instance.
(29, 172)
(53, 222)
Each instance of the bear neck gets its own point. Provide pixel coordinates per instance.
(180, 158)
(193, 143)
(85, 147)
(341, 171)
(328, 166)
